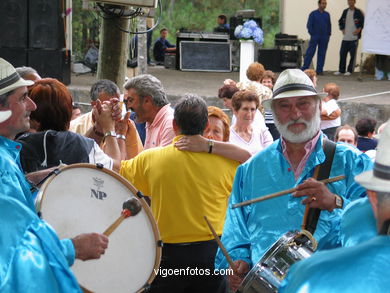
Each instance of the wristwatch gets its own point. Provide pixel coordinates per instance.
(339, 202)
(211, 144)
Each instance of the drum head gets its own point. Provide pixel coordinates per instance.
(84, 199)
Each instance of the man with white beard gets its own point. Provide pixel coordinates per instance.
(289, 162)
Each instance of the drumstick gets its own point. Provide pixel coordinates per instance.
(280, 193)
(223, 249)
(131, 207)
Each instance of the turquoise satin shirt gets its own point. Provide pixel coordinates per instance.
(358, 223)
(14, 185)
(31, 258)
(250, 231)
(363, 268)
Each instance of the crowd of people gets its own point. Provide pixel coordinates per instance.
(192, 161)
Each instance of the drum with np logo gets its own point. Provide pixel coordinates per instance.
(83, 198)
(269, 272)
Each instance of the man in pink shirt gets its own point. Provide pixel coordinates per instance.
(145, 95)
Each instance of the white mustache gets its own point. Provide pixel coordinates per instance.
(300, 120)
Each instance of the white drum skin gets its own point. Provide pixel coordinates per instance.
(83, 199)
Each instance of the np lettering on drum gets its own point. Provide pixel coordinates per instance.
(99, 183)
(98, 194)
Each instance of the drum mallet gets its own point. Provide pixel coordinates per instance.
(131, 207)
(223, 249)
(280, 193)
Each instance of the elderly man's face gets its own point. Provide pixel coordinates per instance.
(297, 118)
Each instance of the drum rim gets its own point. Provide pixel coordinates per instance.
(124, 181)
(285, 238)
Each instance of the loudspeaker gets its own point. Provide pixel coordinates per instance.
(16, 56)
(290, 59)
(271, 59)
(51, 63)
(13, 23)
(46, 26)
(205, 56)
(170, 60)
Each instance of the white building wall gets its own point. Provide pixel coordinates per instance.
(294, 15)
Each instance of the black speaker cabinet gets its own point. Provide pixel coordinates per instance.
(16, 56)
(13, 23)
(46, 26)
(271, 59)
(205, 56)
(51, 63)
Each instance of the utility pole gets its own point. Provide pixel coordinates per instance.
(114, 48)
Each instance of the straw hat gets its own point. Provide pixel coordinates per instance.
(292, 83)
(10, 79)
(378, 179)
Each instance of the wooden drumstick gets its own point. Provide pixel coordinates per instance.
(130, 207)
(223, 249)
(280, 193)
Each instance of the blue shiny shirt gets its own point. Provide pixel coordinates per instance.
(351, 233)
(251, 230)
(31, 258)
(362, 268)
(13, 184)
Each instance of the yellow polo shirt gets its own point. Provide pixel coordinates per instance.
(184, 187)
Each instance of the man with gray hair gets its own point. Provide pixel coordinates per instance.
(361, 268)
(145, 95)
(28, 73)
(103, 91)
(298, 159)
(184, 187)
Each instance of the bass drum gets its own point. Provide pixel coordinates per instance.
(269, 272)
(83, 198)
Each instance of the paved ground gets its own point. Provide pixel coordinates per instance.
(356, 88)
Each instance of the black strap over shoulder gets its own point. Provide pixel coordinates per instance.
(324, 172)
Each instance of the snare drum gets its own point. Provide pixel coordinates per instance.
(269, 272)
(83, 198)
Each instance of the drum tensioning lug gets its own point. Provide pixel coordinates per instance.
(160, 243)
(139, 194)
(99, 165)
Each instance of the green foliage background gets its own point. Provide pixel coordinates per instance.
(197, 15)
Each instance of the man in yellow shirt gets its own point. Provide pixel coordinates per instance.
(184, 187)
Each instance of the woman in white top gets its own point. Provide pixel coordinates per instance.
(242, 133)
(330, 113)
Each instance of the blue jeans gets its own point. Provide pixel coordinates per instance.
(347, 47)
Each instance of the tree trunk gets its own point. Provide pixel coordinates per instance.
(113, 50)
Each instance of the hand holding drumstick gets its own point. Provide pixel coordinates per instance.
(239, 267)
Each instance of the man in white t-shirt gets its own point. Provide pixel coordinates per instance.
(351, 24)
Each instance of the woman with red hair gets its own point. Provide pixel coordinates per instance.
(52, 143)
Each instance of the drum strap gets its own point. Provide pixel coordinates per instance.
(385, 228)
(323, 173)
